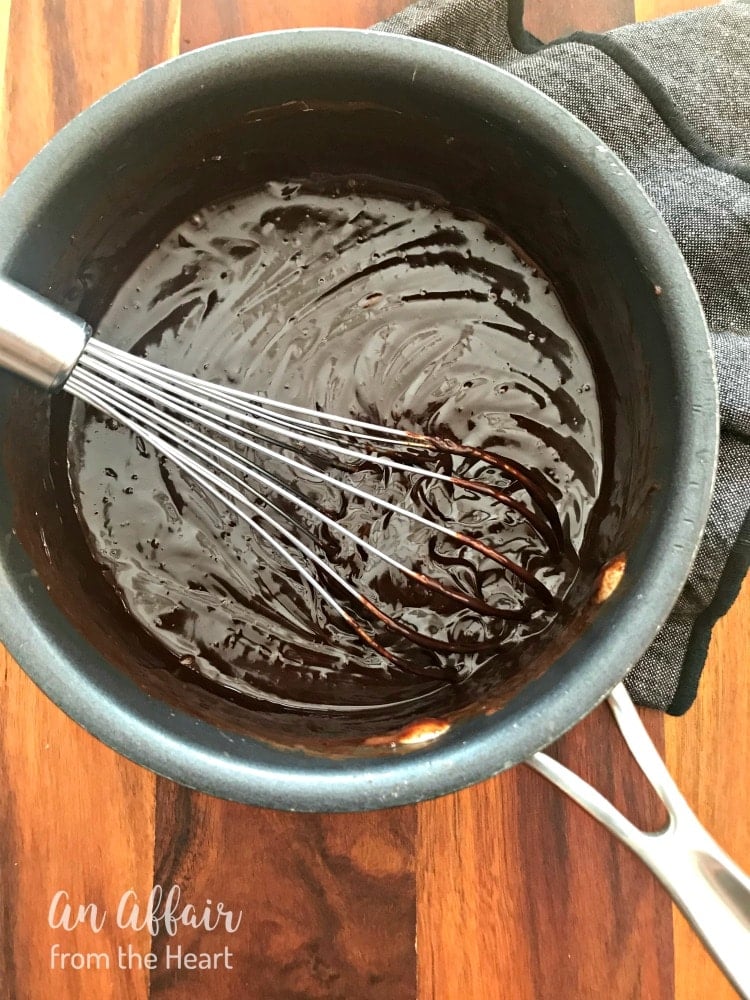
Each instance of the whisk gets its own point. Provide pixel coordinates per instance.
(230, 443)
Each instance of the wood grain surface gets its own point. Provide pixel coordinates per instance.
(505, 890)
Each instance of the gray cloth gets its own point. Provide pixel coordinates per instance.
(672, 98)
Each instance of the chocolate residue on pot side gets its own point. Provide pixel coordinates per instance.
(363, 298)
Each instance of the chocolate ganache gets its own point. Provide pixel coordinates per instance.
(369, 299)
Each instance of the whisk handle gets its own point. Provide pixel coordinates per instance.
(38, 340)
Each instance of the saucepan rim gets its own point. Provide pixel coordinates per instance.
(172, 743)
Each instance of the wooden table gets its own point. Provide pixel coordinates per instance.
(503, 891)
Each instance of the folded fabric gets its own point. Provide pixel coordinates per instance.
(672, 99)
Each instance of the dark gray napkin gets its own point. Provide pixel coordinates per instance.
(672, 98)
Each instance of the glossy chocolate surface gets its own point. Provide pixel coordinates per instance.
(366, 298)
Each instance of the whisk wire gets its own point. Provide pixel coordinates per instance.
(206, 448)
(185, 407)
(230, 497)
(197, 425)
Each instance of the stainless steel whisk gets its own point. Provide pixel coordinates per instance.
(207, 431)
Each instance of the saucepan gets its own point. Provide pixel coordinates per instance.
(126, 171)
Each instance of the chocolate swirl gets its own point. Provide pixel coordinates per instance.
(369, 300)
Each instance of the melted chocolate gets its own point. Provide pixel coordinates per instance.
(368, 299)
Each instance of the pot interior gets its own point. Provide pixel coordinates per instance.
(207, 143)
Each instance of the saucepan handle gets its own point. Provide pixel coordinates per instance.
(709, 888)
